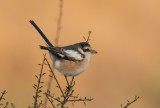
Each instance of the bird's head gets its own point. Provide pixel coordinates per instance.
(86, 48)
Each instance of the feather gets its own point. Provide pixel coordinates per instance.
(73, 54)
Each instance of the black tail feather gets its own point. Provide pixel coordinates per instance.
(43, 47)
(41, 33)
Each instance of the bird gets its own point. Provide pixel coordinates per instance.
(69, 60)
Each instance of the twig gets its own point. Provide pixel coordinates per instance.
(81, 100)
(39, 81)
(53, 97)
(3, 93)
(40, 104)
(89, 33)
(59, 23)
(129, 103)
(6, 106)
(68, 94)
(55, 77)
(13, 106)
(50, 101)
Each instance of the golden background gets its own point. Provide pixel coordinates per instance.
(126, 33)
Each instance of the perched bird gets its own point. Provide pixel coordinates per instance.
(69, 60)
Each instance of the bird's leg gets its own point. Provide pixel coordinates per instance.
(67, 81)
(72, 80)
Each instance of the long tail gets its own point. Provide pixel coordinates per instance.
(44, 48)
(41, 33)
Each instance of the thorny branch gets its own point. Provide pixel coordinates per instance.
(39, 81)
(129, 103)
(3, 93)
(52, 97)
(81, 100)
(50, 101)
(7, 103)
(54, 77)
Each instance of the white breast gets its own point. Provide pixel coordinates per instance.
(82, 69)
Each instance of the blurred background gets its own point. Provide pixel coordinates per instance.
(125, 33)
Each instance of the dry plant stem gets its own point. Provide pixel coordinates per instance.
(50, 101)
(67, 94)
(56, 43)
(131, 102)
(39, 105)
(82, 100)
(55, 77)
(59, 23)
(4, 106)
(72, 80)
(3, 93)
(87, 40)
(39, 80)
(53, 98)
(48, 88)
(67, 81)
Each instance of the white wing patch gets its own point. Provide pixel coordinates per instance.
(61, 55)
(73, 54)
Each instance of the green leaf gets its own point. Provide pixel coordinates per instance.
(58, 104)
(72, 104)
(74, 83)
(89, 32)
(39, 91)
(36, 76)
(51, 100)
(121, 105)
(43, 73)
(58, 98)
(84, 103)
(38, 96)
(135, 97)
(40, 86)
(48, 91)
(72, 91)
(57, 86)
(12, 105)
(34, 87)
(51, 76)
(6, 103)
(45, 64)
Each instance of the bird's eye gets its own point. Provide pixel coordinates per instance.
(85, 50)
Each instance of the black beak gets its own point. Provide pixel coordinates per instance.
(93, 51)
